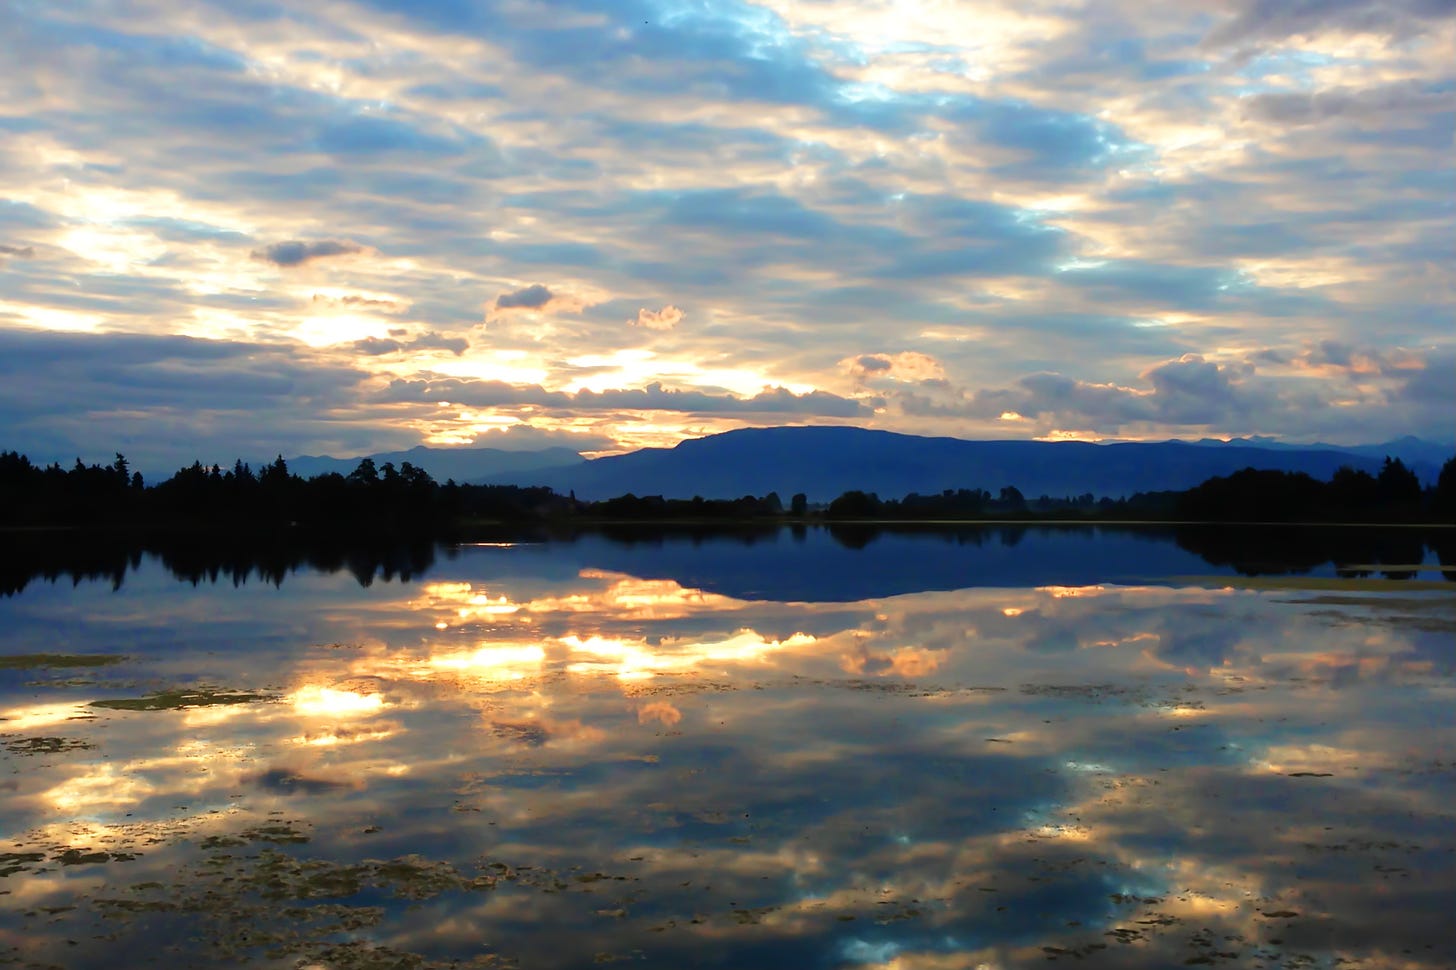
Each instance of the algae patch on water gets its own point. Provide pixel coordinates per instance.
(28, 746)
(171, 700)
(32, 661)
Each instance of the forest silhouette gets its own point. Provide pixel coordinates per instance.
(406, 500)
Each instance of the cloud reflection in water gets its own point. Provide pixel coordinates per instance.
(1150, 774)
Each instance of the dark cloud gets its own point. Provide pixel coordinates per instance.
(1049, 143)
(1186, 391)
(1432, 386)
(17, 252)
(375, 346)
(296, 252)
(1376, 104)
(362, 302)
(1258, 22)
(653, 397)
(908, 366)
(1192, 390)
(284, 781)
(372, 135)
(166, 400)
(1414, 395)
(531, 297)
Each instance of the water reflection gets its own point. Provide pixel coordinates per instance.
(454, 771)
(841, 561)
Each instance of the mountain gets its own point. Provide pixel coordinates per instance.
(824, 462)
(461, 464)
(1425, 457)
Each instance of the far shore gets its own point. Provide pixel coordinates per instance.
(362, 530)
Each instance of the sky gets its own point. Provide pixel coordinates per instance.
(344, 226)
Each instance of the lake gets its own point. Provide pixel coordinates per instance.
(858, 747)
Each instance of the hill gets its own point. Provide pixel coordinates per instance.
(823, 462)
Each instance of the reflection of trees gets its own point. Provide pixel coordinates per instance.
(1285, 550)
(52, 556)
(1443, 543)
(203, 558)
(657, 535)
(854, 536)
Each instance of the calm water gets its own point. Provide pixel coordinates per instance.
(908, 749)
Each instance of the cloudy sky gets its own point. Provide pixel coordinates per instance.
(264, 226)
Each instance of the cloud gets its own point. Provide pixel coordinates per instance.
(1376, 105)
(296, 252)
(167, 400)
(1333, 357)
(536, 298)
(1258, 22)
(1187, 391)
(1397, 393)
(532, 297)
(653, 397)
(376, 346)
(909, 366)
(1430, 386)
(17, 252)
(1081, 193)
(361, 303)
(664, 319)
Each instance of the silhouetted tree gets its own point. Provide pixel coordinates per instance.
(855, 504)
(1443, 496)
(1011, 499)
(1351, 493)
(1397, 487)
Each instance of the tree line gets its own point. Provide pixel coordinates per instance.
(384, 498)
(406, 499)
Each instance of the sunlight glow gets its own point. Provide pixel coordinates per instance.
(314, 701)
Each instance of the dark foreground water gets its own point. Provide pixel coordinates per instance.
(900, 750)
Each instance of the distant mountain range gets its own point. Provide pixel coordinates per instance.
(443, 464)
(1409, 449)
(823, 462)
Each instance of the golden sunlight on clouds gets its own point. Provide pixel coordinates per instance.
(991, 123)
(466, 426)
(494, 661)
(509, 366)
(53, 318)
(664, 319)
(38, 716)
(909, 366)
(101, 789)
(115, 250)
(1060, 434)
(899, 662)
(1073, 592)
(639, 659)
(316, 701)
(325, 331)
(620, 597)
(628, 597)
(338, 735)
(661, 712)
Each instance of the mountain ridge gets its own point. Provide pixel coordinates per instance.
(826, 460)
